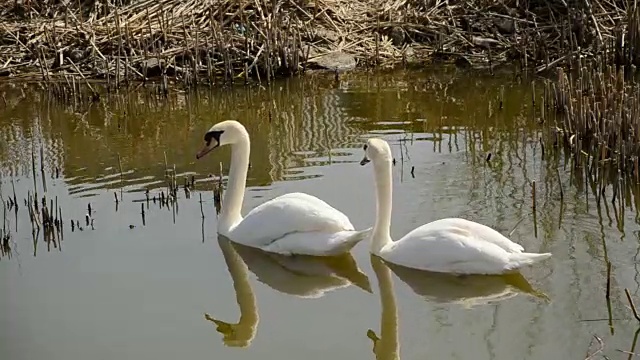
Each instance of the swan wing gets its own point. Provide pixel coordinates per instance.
(289, 214)
(480, 232)
(443, 247)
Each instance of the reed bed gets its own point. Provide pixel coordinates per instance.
(223, 41)
(593, 112)
(45, 215)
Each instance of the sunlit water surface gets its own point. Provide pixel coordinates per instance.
(169, 288)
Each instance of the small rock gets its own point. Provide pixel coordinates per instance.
(153, 65)
(336, 61)
(325, 34)
(76, 55)
(410, 54)
(505, 26)
(484, 42)
(397, 36)
(462, 62)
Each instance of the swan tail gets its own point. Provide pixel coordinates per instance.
(518, 260)
(348, 239)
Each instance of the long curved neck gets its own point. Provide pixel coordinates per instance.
(230, 215)
(382, 227)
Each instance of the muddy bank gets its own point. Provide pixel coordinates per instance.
(221, 41)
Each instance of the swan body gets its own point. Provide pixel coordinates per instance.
(297, 223)
(294, 223)
(451, 245)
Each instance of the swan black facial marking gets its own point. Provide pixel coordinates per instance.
(365, 147)
(215, 134)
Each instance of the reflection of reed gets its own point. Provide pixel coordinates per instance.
(20, 136)
(303, 119)
(84, 140)
(301, 276)
(307, 126)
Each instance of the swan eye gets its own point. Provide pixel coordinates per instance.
(365, 147)
(213, 135)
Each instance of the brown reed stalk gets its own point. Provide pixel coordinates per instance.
(631, 304)
(359, 33)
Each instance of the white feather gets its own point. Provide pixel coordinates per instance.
(451, 245)
(294, 223)
(455, 246)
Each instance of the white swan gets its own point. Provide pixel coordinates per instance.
(293, 223)
(450, 245)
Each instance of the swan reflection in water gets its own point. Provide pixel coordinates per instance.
(386, 346)
(299, 275)
(467, 290)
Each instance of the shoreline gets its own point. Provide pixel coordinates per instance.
(223, 42)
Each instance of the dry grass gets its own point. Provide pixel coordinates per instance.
(222, 41)
(593, 112)
(598, 103)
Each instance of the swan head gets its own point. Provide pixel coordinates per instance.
(376, 150)
(227, 132)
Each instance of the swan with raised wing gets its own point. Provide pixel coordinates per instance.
(294, 223)
(450, 245)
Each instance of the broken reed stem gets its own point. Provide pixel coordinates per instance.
(166, 165)
(560, 184)
(33, 170)
(535, 215)
(631, 304)
(44, 178)
(15, 199)
(608, 293)
(201, 207)
(121, 176)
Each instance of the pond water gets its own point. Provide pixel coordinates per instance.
(167, 288)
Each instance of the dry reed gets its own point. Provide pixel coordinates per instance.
(222, 41)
